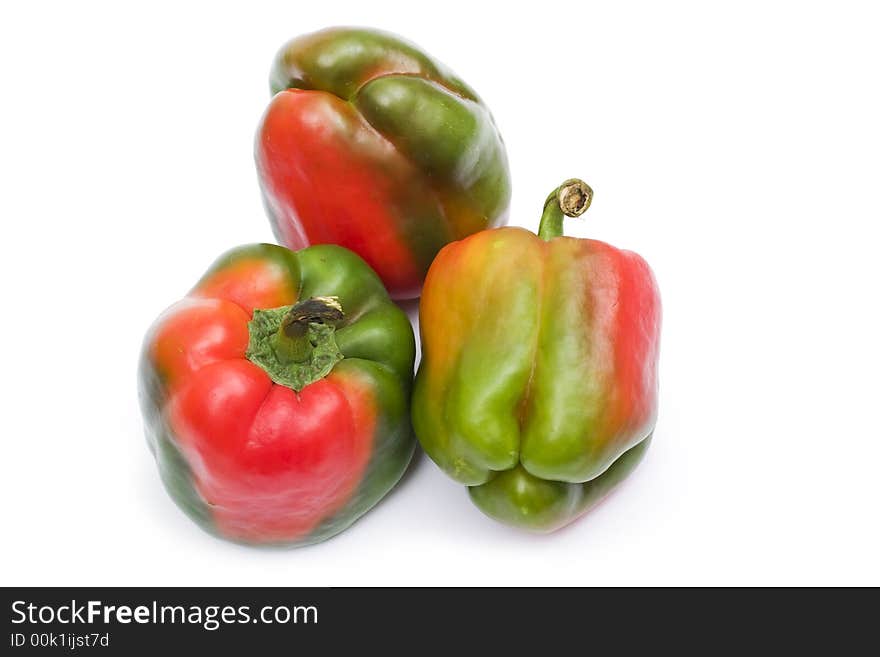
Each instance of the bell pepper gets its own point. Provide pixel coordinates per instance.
(537, 387)
(276, 394)
(371, 144)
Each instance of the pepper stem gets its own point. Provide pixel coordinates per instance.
(291, 342)
(570, 199)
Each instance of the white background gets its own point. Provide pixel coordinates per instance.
(734, 145)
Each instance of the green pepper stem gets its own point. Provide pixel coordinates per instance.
(570, 199)
(291, 343)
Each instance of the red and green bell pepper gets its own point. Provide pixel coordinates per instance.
(371, 144)
(537, 387)
(276, 394)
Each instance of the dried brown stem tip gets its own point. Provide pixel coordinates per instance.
(318, 310)
(574, 197)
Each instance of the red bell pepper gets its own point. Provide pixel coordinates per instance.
(276, 394)
(371, 144)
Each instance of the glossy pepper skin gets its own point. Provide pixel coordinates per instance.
(371, 144)
(276, 394)
(537, 387)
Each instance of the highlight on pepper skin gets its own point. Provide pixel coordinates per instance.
(276, 394)
(371, 144)
(537, 387)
